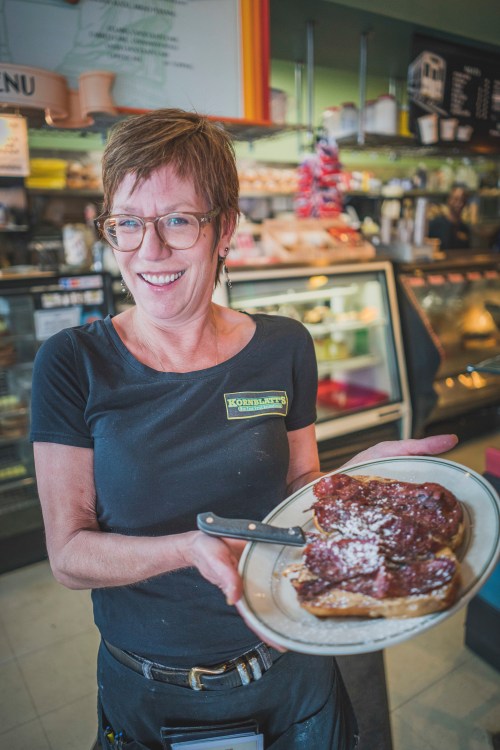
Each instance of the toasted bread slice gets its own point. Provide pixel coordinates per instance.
(338, 602)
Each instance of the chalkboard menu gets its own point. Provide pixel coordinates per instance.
(453, 93)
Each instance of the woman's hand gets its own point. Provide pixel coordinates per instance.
(217, 560)
(412, 447)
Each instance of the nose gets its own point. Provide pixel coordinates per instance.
(153, 247)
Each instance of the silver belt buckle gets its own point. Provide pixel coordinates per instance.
(196, 672)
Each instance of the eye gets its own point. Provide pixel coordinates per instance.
(177, 220)
(130, 223)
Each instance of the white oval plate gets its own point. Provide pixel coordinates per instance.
(269, 601)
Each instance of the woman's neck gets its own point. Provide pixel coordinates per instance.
(172, 348)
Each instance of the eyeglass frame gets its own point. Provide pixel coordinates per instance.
(202, 217)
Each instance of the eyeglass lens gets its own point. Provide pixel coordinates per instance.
(126, 233)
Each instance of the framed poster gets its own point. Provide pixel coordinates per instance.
(453, 93)
(164, 53)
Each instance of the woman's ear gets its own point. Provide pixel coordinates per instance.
(228, 227)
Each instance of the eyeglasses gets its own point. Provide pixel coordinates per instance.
(179, 230)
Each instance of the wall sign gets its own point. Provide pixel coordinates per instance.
(454, 93)
(14, 152)
(33, 88)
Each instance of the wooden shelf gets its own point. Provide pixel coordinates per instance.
(410, 145)
(375, 195)
(65, 192)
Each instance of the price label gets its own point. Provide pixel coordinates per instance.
(474, 276)
(491, 274)
(456, 278)
(436, 279)
(415, 281)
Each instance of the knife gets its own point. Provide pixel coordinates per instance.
(253, 531)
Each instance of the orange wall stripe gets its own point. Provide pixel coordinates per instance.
(265, 57)
(257, 57)
(247, 55)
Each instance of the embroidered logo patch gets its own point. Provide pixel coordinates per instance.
(249, 404)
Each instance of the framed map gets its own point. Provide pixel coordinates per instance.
(180, 53)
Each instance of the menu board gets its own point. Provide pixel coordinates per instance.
(453, 93)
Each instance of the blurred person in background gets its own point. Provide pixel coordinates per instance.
(448, 226)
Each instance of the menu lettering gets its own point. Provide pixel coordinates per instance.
(454, 93)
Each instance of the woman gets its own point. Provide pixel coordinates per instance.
(133, 436)
(449, 226)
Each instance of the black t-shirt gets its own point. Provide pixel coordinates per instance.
(168, 446)
(453, 236)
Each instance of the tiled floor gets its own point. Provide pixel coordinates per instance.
(441, 695)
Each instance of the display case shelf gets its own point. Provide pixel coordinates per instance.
(349, 364)
(9, 489)
(338, 326)
(297, 297)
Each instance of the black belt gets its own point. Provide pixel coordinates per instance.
(236, 672)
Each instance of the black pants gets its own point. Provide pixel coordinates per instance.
(300, 703)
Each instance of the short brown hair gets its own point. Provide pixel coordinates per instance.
(195, 147)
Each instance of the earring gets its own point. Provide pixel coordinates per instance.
(123, 286)
(228, 280)
(224, 267)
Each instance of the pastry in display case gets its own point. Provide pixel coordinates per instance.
(317, 241)
(351, 313)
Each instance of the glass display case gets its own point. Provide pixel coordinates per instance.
(31, 309)
(458, 302)
(351, 312)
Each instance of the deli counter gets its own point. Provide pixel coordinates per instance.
(352, 315)
(450, 316)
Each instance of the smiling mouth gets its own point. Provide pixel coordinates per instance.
(161, 279)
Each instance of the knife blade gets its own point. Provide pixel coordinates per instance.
(252, 531)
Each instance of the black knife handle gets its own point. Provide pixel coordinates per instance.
(253, 531)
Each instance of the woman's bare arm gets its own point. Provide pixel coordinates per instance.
(82, 556)
(304, 459)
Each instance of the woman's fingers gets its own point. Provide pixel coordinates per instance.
(217, 561)
(413, 447)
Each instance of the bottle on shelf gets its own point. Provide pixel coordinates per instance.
(404, 121)
(386, 115)
(332, 122)
(349, 117)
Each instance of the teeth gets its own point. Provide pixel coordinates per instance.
(163, 278)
